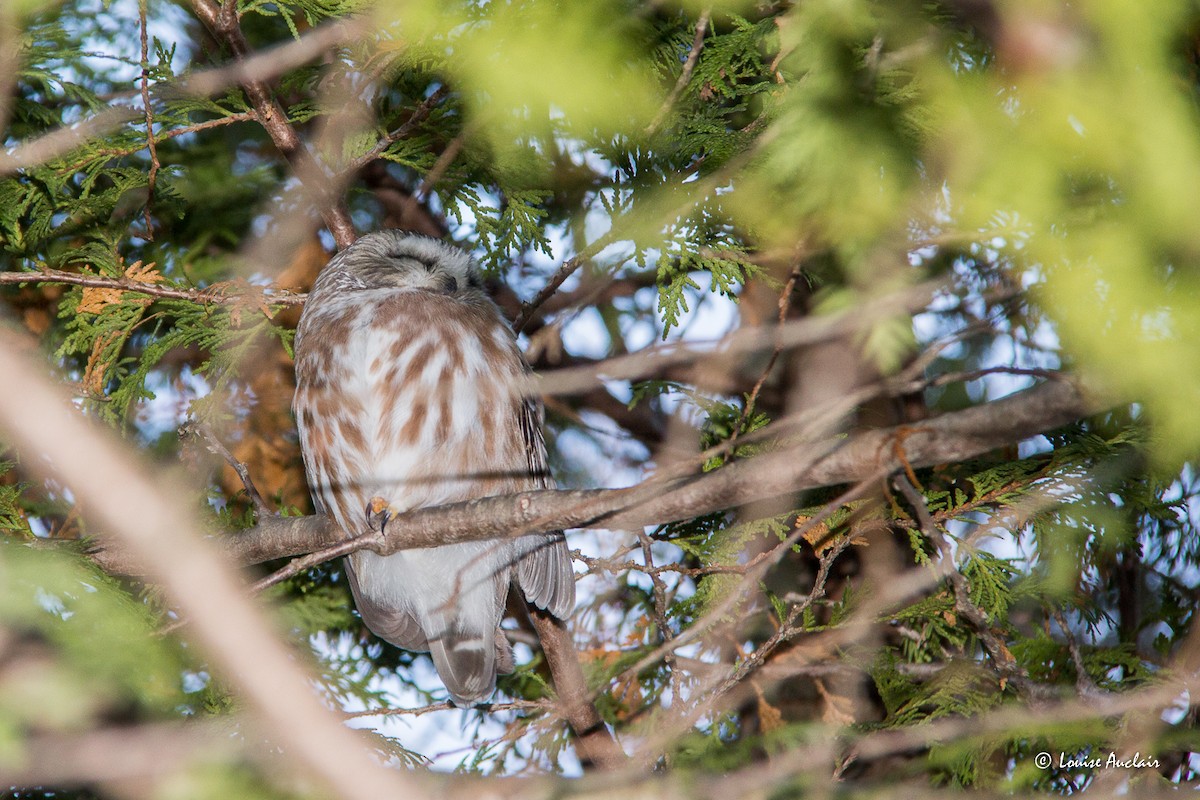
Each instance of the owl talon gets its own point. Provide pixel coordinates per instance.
(378, 513)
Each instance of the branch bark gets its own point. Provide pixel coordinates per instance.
(116, 755)
(245, 294)
(595, 743)
(949, 438)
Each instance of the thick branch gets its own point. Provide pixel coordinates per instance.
(116, 754)
(595, 742)
(949, 438)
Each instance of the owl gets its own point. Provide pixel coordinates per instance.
(410, 392)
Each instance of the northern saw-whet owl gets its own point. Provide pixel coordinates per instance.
(410, 393)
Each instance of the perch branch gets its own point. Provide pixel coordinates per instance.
(950, 438)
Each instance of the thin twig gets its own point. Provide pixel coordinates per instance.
(785, 305)
(565, 271)
(214, 445)
(1002, 660)
(418, 115)
(298, 565)
(719, 611)
(685, 75)
(704, 701)
(658, 610)
(1084, 685)
(789, 628)
(161, 136)
(152, 176)
(446, 705)
(439, 167)
(669, 205)
(205, 296)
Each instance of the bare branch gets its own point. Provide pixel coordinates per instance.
(804, 331)
(595, 743)
(685, 75)
(148, 108)
(785, 304)
(208, 296)
(705, 699)
(949, 438)
(446, 705)
(419, 115)
(222, 21)
(565, 271)
(1084, 685)
(63, 140)
(214, 445)
(298, 565)
(114, 754)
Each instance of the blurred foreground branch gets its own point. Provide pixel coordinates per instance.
(146, 513)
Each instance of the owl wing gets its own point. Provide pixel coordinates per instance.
(543, 562)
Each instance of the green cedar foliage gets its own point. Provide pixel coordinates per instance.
(1038, 165)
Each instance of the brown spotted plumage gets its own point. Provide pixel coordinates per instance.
(411, 392)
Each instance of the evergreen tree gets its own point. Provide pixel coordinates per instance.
(886, 314)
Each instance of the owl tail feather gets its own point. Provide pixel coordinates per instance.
(467, 665)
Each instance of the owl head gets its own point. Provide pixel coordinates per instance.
(392, 259)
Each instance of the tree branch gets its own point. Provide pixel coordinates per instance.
(115, 754)
(594, 741)
(556, 280)
(223, 22)
(685, 75)
(419, 115)
(207, 296)
(950, 438)
(262, 66)
(147, 513)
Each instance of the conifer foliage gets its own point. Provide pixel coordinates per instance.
(885, 315)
